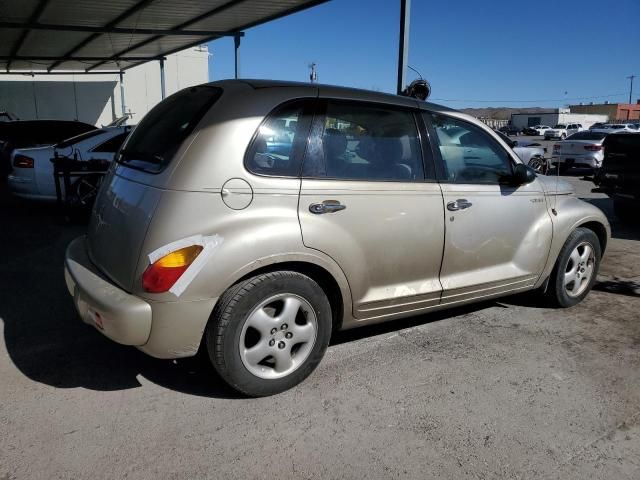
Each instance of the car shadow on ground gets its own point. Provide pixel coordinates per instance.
(44, 336)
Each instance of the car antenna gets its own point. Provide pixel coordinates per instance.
(555, 197)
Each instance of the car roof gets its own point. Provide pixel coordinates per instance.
(327, 90)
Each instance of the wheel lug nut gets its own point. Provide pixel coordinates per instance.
(281, 345)
(272, 342)
(273, 331)
(288, 335)
(284, 326)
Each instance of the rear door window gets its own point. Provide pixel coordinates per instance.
(360, 141)
(157, 138)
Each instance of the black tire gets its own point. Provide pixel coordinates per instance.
(232, 310)
(624, 211)
(556, 291)
(562, 168)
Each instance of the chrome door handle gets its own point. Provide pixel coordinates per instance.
(328, 206)
(460, 204)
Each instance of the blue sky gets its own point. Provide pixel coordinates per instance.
(475, 53)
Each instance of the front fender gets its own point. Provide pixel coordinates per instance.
(570, 213)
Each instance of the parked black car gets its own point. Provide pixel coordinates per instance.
(510, 130)
(33, 133)
(619, 175)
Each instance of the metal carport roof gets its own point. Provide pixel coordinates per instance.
(114, 35)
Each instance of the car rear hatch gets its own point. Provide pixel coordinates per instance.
(132, 189)
(578, 147)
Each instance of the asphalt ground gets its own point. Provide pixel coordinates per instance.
(501, 389)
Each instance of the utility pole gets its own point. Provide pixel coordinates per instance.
(403, 44)
(313, 75)
(631, 77)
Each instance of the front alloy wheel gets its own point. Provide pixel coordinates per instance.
(579, 269)
(576, 268)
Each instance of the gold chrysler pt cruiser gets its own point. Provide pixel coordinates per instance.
(253, 218)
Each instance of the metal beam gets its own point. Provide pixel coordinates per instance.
(123, 16)
(50, 58)
(68, 72)
(403, 44)
(35, 15)
(270, 18)
(180, 26)
(116, 30)
(275, 16)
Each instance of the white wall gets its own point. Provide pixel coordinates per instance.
(552, 119)
(95, 99)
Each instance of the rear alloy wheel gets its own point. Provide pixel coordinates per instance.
(576, 268)
(268, 333)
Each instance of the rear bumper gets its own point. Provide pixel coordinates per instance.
(122, 317)
(160, 329)
(577, 160)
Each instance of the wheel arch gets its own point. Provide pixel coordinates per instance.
(319, 274)
(600, 230)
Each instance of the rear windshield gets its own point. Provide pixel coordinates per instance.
(587, 136)
(156, 139)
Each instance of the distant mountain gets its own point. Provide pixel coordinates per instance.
(504, 113)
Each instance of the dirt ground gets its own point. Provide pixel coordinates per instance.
(503, 389)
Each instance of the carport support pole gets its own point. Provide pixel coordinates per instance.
(124, 108)
(163, 87)
(236, 43)
(403, 46)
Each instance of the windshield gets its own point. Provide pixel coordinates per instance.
(560, 125)
(154, 142)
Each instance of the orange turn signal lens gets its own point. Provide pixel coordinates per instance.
(161, 275)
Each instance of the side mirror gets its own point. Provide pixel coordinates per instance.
(522, 174)
(514, 143)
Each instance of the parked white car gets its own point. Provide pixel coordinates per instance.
(563, 130)
(617, 127)
(582, 149)
(531, 154)
(541, 129)
(32, 169)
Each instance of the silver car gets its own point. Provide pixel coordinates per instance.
(254, 218)
(582, 149)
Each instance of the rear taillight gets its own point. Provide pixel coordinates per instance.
(161, 275)
(593, 148)
(22, 161)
